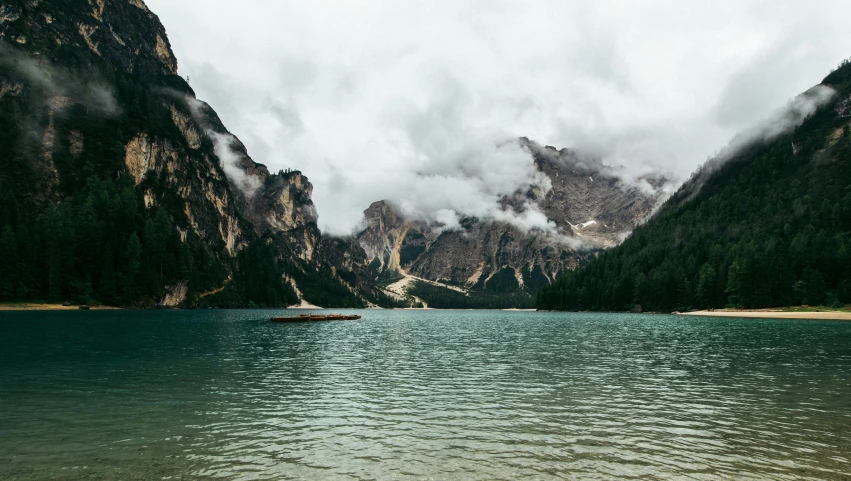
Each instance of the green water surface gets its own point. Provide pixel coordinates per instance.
(422, 395)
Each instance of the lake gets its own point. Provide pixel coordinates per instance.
(422, 395)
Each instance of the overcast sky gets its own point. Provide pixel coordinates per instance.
(412, 100)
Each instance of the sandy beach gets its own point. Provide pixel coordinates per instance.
(25, 306)
(775, 314)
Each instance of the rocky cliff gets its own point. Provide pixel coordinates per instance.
(95, 116)
(589, 205)
(118, 185)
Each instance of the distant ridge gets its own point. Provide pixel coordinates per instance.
(498, 264)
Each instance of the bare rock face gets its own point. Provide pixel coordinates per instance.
(469, 256)
(176, 171)
(590, 200)
(483, 248)
(124, 33)
(382, 237)
(283, 204)
(175, 295)
(591, 206)
(143, 156)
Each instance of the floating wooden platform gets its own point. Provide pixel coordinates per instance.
(314, 317)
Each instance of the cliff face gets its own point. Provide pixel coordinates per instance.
(591, 201)
(92, 97)
(383, 236)
(104, 145)
(590, 206)
(125, 34)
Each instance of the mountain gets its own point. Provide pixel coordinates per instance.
(118, 186)
(768, 223)
(489, 263)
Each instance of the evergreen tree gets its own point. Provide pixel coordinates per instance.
(9, 264)
(706, 286)
(768, 226)
(107, 291)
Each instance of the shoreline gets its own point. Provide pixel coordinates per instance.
(774, 314)
(38, 306)
(43, 306)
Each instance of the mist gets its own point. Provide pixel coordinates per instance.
(230, 162)
(417, 102)
(58, 86)
(781, 121)
(777, 123)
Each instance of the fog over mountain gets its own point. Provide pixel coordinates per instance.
(414, 101)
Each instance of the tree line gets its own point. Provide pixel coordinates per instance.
(771, 227)
(442, 298)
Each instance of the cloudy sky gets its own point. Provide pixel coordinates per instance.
(413, 101)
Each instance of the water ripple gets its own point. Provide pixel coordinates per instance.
(422, 395)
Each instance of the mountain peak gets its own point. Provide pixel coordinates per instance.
(589, 206)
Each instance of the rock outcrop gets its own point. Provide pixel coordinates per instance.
(90, 95)
(96, 81)
(590, 206)
(125, 34)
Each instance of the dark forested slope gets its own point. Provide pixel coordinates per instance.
(768, 226)
(117, 186)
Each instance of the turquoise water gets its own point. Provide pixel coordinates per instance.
(422, 395)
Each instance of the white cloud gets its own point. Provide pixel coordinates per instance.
(231, 161)
(409, 101)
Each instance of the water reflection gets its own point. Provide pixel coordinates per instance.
(441, 395)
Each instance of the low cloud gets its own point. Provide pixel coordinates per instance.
(55, 82)
(226, 146)
(779, 122)
(796, 112)
(464, 181)
(231, 161)
(412, 101)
